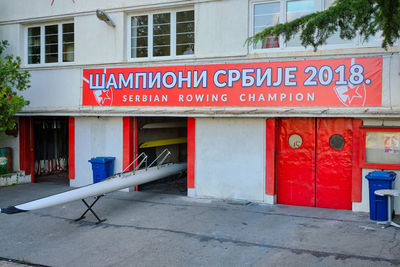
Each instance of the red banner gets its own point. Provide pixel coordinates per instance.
(326, 82)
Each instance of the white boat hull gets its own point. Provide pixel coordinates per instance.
(114, 183)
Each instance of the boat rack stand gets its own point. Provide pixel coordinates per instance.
(164, 153)
(89, 208)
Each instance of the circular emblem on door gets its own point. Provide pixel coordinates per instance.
(336, 141)
(295, 141)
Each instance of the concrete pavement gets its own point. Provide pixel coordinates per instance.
(145, 229)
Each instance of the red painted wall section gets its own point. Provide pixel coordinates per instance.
(128, 143)
(356, 187)
(270, 146)
(135, 134)
(71, 148)
(135, 144)
(26, 152)
(22, 144)
(191, 137)
(32, 150)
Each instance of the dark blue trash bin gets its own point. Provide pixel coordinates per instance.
(102, 167)
(378, 205)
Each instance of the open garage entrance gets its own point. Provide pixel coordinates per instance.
(51, 150)
(155, 134)
(315, 162)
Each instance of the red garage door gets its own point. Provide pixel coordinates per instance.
(314, 162)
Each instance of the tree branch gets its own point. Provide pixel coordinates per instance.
(348, 17)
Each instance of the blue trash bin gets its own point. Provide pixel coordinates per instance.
(378, 205)
(102, 167)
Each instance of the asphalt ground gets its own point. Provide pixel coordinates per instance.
(149, 229)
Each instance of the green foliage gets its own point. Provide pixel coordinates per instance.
(12, 79)
(348, 17)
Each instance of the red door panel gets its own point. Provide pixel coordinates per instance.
(296, 166)
(334, 165)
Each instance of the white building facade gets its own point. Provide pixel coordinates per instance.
(272, 123)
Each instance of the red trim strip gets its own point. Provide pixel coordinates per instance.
(71, 148)
(127, 143)
(32, 150)
(380, 128)
(191, 138)
(135, 145)
(379, 165)
(356, 186)
(22, 143)
(270, 146)
(25, 148)
(135, 133)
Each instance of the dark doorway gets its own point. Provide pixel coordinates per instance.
(155, 134)
(51, 150)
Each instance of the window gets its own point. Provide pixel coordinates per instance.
(139, 39)
(297, 9)
(380, 148)
(162, 34)
(271, 13)
(185, 33)
(266, 15)
(34, 45)
(335, 38)
(68, 42)
(51, 43)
